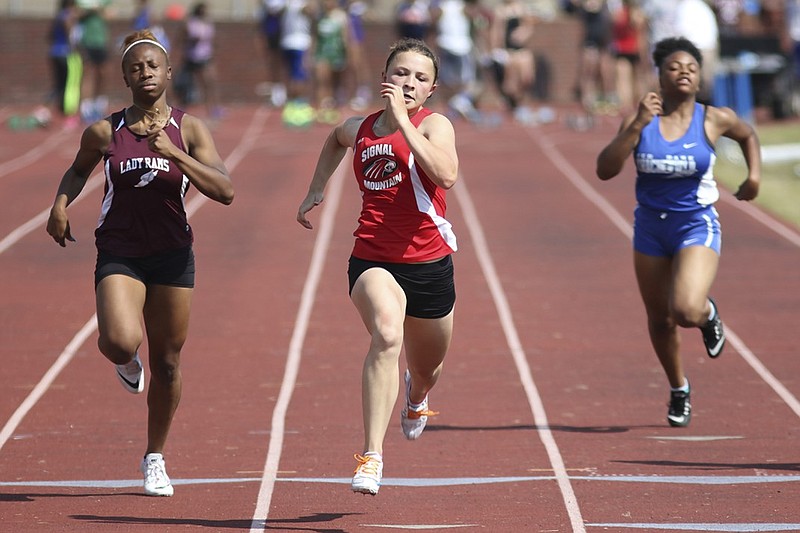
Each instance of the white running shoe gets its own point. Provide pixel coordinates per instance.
(131, 375)
(413, 421)
(156, 480)
(368, 473)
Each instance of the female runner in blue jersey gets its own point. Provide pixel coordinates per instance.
(145, 264)
(677, 234)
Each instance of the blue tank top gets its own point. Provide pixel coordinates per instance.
(60, 45)
(143, 212)
(676, 175)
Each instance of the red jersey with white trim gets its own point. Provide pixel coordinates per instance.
(143, 210)
(402, 214)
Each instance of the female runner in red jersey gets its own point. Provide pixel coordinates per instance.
(145, 263)
(401, 272)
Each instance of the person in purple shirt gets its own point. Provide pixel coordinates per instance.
(145, 267)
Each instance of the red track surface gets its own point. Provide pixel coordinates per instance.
(551, 389)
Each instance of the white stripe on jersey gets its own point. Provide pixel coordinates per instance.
(109, 197)
(707, 192)
(425, 205)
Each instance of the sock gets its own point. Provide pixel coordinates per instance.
(133, 365)
(682, 388)
(416, 406)
(374, 455)
(713, 312)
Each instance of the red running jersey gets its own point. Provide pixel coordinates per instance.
(402, 214)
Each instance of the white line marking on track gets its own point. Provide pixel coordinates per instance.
(32, 155)
(741, 527)
(760, 216)
(316, 266)
(47, 380)
(421, 482)
(695, 438)
(419, 527)
(762, 371)
(39, 220)
(518, 354)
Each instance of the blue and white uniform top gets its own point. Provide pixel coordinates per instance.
(676, 175)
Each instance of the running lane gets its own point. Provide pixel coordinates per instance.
(552, 404)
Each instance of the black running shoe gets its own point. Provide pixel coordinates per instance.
(680, 410)
(713, 334)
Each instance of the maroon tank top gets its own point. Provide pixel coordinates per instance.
(143, 206)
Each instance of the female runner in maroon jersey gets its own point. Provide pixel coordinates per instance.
(401, 272)
(145, 265)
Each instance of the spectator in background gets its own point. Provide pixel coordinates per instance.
(729, 16)
(792, 35)
(414, 19)
(198, 58)
(94, 43)
(457, 62)
(358, 65)
(145, 19)
(596, 72)
(511, 36)
(628, 27)
(65, 64)
(296, 40)
(696, 21)
(662, 19)
(481, 16)
(269, 26)
(330, 59)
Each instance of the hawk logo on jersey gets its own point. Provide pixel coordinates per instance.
(147, 178)
(380, 169)
(381, 174)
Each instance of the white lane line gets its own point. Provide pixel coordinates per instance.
(419, 527)
(34, 154)
(763, 218)
(38, 221)
(421, 482)
(91, 325)
(519, 356)
(47, 380)
(560, 162)
(695, 438)
(762, 371)
(739, 527)
(321, 244)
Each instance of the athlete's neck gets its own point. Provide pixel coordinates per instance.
(157, 116)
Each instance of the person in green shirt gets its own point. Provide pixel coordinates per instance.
(94, 43)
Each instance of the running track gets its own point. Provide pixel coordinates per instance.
(552, 403)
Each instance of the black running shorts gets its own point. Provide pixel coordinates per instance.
(174, 268)
(429, 287)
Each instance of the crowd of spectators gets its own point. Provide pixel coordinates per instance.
(316, 65)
